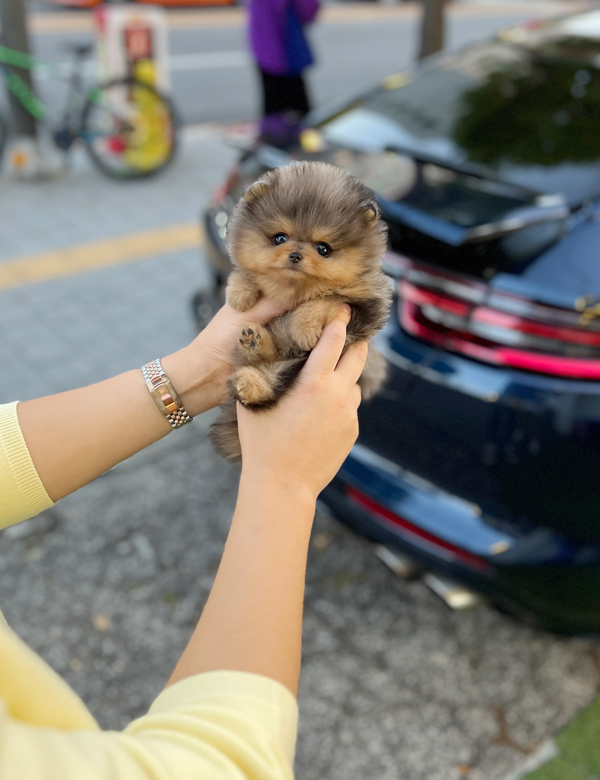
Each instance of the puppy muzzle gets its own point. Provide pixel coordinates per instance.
(295, 258)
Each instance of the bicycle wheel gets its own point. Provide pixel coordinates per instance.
(129, 129)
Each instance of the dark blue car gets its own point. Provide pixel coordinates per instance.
(478, 465)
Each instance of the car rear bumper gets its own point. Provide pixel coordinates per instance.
(538, 576)
(523, 447)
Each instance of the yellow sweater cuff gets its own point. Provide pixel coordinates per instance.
(22, 494)
(274, 707)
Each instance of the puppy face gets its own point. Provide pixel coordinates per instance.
(309, 226)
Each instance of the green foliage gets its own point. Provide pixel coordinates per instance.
(533, 113)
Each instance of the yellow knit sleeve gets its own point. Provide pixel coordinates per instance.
(22, 494)
(262, 701)
(214, 726)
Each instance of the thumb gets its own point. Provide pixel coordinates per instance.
(326, 354)
(264, 311)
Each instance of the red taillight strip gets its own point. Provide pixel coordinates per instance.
(544, 330)
(409, 529)
(575, 368)
(457, 342)
(470, 345)
(510, 322)
(423, 297)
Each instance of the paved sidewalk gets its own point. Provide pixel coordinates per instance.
(108, 584)
(82, 328)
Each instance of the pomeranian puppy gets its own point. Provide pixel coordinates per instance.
(309, 236)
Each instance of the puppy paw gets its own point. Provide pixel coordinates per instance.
(241, 297)
(256, 344)
(308, 336)
(250, 386)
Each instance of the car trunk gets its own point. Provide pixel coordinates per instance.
(514, 428)
(469, 224)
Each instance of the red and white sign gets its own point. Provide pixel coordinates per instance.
(132, 41)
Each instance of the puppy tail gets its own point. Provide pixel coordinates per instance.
(374, 374)
(224, 435)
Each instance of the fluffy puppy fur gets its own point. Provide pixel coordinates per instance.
(309, 236)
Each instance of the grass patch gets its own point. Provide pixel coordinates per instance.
(579, 745)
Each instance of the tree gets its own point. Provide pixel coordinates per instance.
(14, 35)
(543, 113)
(432, 27)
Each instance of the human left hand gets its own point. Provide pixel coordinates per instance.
(200, 371)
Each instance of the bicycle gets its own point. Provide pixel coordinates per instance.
(128, 128)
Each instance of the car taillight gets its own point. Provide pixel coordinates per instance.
(467, 317)
(230, 184)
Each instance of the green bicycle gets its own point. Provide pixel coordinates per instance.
(128, 128)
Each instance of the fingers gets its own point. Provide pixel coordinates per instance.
(326, 354)
(352, 362)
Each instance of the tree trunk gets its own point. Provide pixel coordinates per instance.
(432, 27)
(14, 35)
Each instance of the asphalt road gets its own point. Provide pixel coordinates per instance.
(213, 77)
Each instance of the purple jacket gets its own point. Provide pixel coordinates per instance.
(268, 31)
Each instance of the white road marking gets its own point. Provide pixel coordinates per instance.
(210, 60)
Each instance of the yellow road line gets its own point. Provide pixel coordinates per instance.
(359, 13)
(98, 254)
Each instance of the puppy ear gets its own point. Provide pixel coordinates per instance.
(258, 190)
(371, 213)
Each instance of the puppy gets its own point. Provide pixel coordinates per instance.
(309, 236)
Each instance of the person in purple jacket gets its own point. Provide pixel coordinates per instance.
(281, 51)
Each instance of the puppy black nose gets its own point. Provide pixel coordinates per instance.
(295, 257)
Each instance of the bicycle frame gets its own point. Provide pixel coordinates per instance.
(10, 59)
(70, 124)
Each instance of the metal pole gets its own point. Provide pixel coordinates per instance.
(14, 35)
(432, 27)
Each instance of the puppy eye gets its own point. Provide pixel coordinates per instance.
(323, 249)
(278, 239)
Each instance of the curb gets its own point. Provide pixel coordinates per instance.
(544, 753)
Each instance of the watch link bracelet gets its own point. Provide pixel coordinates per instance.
(163, 392)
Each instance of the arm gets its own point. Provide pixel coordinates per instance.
(219, 727)
(252, 620)
(74, 437)
(239, 723)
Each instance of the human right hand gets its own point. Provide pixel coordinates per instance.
(302, 442)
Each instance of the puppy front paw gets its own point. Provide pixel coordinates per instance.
(256, 344)
(241, 297)
(250, 386)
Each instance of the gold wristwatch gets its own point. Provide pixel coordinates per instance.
(163, 392)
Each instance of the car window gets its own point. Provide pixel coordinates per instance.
(515, 114)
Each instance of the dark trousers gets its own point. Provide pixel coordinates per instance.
(282, 94)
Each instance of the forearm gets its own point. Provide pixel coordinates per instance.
(75, 436)
(252, 621)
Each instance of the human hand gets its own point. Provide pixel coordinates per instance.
(304, 439)
(200, 371)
